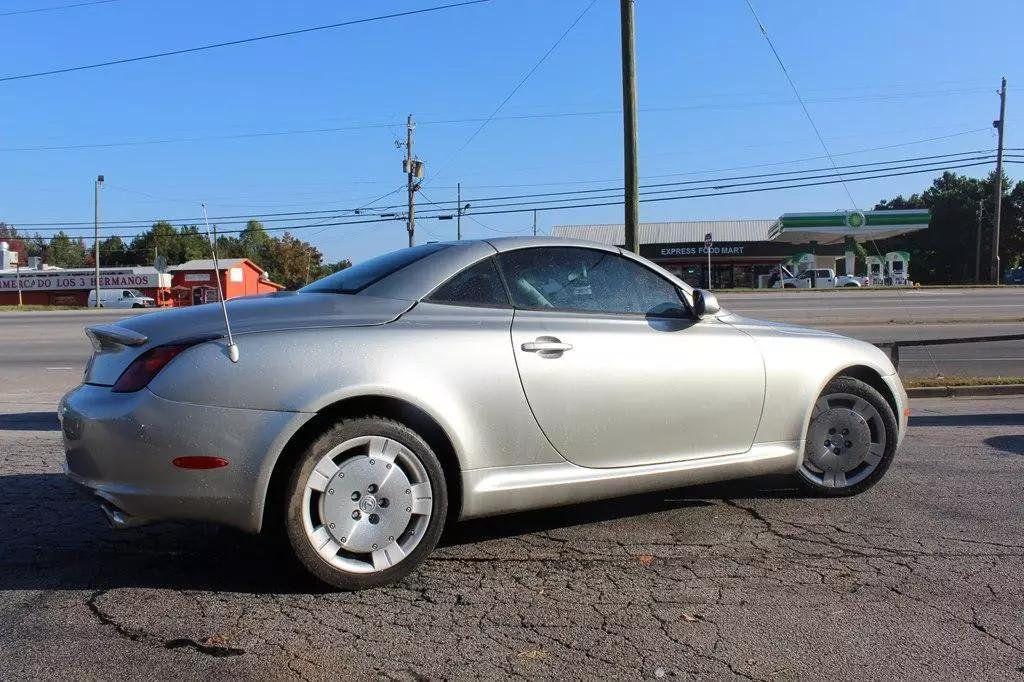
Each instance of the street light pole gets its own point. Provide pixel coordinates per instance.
(96, 235)
(632, 178)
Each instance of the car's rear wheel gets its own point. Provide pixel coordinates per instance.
(851, 439)
(366, 503)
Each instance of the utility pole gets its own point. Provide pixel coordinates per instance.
(458, 211)
(977, 253)
(632, 178)
(534, 222)
(410, 223)
(998, 125)
(96, 234)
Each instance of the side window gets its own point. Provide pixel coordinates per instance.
(478, 284)
(570, 278)
(126, 294)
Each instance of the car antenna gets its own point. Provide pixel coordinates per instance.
(212, 234)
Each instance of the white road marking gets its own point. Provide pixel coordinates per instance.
(58, 369)
(818, 313)
(942, 359)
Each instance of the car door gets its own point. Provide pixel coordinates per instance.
(616, 370)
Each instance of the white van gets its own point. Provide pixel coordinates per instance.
(121, 298)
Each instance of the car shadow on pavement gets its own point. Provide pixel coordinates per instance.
(541, 520)
(53, 538)
(29, 421)
(1010, 444)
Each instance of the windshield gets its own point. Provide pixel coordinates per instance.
(136, 293)
(356, 278)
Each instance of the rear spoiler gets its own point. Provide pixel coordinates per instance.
(103, 336)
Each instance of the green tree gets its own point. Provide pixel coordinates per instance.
(192, 245)
(65, 252)
(254, 242)
(114, 253)
(946, 251)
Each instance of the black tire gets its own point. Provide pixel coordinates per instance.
(342, 431)
(854, 387)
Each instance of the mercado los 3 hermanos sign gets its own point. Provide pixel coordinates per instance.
(56, 280)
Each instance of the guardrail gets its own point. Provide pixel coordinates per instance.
(894, 346)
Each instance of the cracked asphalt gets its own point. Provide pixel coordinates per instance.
(920, 577)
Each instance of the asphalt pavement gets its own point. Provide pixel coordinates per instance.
(922, 577)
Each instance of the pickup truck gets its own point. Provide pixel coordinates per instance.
(823, 279)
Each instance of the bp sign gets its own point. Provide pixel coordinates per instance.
(855, 220)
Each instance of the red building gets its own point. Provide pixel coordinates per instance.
(193, 282)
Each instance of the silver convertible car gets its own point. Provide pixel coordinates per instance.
(446, 381)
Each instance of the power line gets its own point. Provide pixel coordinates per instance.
(934, 160)
(522, 82)
(796, 92)
(529, 207)
(56, 7)
(241, 41)
(336, 212)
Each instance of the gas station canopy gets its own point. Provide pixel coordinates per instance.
(836, 226)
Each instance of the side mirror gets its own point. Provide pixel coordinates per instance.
(705, 303)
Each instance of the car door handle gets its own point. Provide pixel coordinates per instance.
(545, 345)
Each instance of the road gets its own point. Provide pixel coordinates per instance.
(50, 343)
(875, 306)
(920, 577)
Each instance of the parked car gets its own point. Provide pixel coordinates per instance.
(456, 380)
(1014, 276)
(823, 278)
(121, 298)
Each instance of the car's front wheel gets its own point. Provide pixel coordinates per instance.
(366, 503)
(851, 439)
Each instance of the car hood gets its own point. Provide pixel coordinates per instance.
(118, 344)
(767, 327)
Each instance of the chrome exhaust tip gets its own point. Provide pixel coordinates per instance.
(118, 518)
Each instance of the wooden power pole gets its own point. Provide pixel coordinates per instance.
(998, 125)
(410, 171)
(629, 124)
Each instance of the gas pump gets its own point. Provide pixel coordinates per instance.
(876, 270)
(898, 263)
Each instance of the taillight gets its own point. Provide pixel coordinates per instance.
(148, 365)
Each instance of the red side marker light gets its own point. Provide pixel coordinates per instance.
(199, 462)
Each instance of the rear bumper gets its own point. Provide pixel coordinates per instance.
(120, 446)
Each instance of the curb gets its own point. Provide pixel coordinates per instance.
(965, 391)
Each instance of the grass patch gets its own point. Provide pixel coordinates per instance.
(922, 382)
(37, 308)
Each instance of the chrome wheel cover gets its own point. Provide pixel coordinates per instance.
(366, 504)
(845, 441)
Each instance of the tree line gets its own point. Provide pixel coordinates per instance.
(942, 254)
(946, 252)
(287, 259)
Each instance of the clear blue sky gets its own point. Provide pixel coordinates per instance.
(875, 72)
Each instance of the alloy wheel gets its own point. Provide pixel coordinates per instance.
(845, 442)
(367, 504)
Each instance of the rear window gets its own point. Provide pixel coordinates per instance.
(356, 278)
